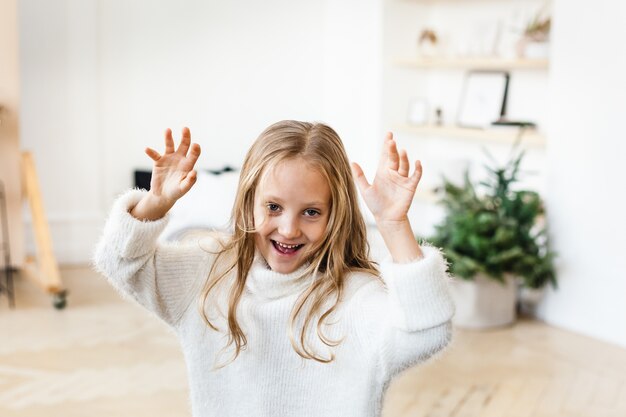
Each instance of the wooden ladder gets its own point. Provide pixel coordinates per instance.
(42, 269)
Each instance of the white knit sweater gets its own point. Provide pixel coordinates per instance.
(386, 329)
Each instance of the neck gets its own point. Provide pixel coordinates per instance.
(266, 283)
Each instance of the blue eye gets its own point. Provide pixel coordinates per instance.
(311, 212)
(273, 207)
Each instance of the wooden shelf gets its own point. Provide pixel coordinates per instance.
(464, 2)
(500, 64)
(498, 135)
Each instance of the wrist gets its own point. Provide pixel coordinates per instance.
(392, 225)
(399, 239)
(159, 201)
(151, 207)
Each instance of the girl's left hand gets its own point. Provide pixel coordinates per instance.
(390, 195)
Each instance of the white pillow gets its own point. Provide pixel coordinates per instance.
(207, 205)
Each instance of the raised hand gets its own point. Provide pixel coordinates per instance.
(389, 198)
(172, 176)
(391, 193)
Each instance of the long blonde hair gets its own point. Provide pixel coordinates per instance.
(343, 249)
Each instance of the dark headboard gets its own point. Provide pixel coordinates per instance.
(142, 177)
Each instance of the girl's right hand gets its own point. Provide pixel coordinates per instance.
(172, 173)
(172, 176)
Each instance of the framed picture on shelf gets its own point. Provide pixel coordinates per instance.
(483, 100)
(418, 112)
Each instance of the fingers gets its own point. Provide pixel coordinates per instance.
(194, 153)
(359, 177)
(154, 155)
(417, 174)
(188, 181)
(185, 141)
(183, 148)
(384, 155)
(169, 141)
(393, 158)
(404, 164)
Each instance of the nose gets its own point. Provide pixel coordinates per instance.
(289, 227)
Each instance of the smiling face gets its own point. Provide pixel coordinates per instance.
(291, 211)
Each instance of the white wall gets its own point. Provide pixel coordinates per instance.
(352, 82)
(60, 123)
(586, 154)
(102, 79)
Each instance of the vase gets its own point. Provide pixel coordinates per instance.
(427, 50)
(484, 303)
(527, 48)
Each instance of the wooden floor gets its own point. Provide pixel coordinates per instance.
(103, 356)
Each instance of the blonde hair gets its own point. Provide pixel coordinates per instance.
(343, 249)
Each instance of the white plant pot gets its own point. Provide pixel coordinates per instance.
(427, 50)
(530, 49)
(528, 299)
(483, 303)
(537, 50)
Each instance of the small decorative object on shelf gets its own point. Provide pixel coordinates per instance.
(496, 244)
(427, 43)
(535, 42)
(438, 116)
(481, 41)
(418, 112)
(484, 98)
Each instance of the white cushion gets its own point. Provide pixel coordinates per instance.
(206, 206)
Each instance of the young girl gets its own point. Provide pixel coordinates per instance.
(308, 324)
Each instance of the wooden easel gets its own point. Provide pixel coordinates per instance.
(43, 269)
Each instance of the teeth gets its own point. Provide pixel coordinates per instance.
(286, 246)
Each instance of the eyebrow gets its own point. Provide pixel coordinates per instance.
(279, 200)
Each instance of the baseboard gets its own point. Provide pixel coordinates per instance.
(74, 236)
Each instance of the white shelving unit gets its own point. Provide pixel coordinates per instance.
(500, 135)
(447, 149)
(493, 135)
(472, 35)
(491, 64)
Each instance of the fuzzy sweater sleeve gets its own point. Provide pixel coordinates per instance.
(412, 316)
(161, 277)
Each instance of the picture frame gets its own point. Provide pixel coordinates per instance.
(417, 113)
(483, 100)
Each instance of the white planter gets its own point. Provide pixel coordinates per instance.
(530, 49)
(528, 299)
(537, 50)
(483, 303)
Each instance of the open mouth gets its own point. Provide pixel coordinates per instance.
(286, 249)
